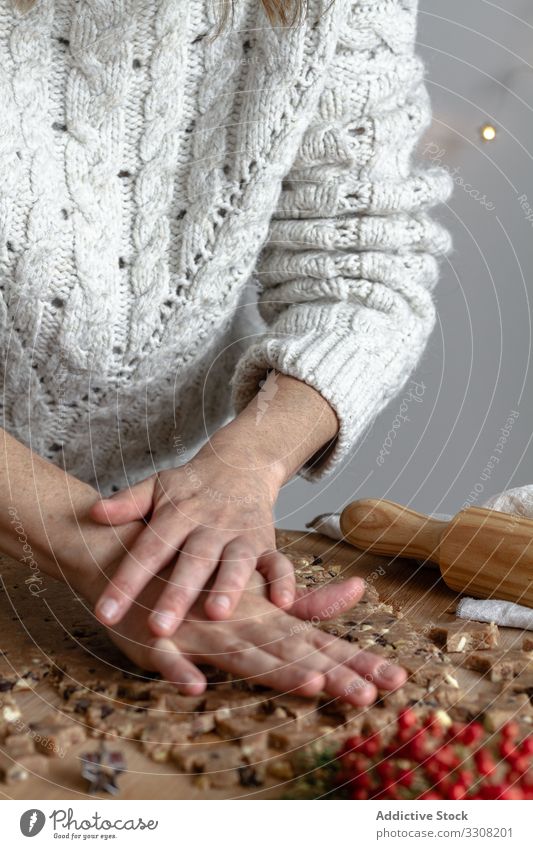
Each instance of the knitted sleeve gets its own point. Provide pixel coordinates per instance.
(352, 255)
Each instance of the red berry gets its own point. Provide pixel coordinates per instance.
(510, 730)
(508, 749)
(371, 746)
(520, 764)
(434, 727)
(406, 719)
(359, 794)
(527, 745)
(445, 757)
(364, 781)
(504, 791)
(484, 762)
(418, 750)
(457, 791)
(406, 777)
(351, 744)
(385, 770)
(471, 733)
(487, 792)
(444, 785)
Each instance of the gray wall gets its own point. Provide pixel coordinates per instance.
(476, 367)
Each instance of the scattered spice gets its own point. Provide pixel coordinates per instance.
(249, 777)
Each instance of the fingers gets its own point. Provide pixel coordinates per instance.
(373, 668)
(328, 601)
(197, 561)
(166, 658)
(352, 676)
(343, 683)
(384, 674)
(339, 680)
(126, 505)
(245, 659)
(278, 572)
(153, 549)
(237, 564)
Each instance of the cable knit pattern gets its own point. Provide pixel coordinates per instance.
(151, 179)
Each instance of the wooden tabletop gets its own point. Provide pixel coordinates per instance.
(36, 629)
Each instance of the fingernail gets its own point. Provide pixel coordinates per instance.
(163, 619)
(285, 598)
(189, 685)
(165, 645)
(389, 673)
(108, 609)
(188, 678)
(222, 601)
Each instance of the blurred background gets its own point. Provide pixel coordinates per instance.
(475, 390)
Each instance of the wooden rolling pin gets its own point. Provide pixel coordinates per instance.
(480, 552)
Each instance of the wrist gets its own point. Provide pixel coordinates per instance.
(90, 581)
(99, 548)
(283, 430)
(45, 522)
(81, 551)
(244, 449)
(46, 530)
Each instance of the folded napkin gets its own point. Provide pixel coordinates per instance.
(518, 501)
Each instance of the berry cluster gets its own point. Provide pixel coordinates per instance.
(437, 759)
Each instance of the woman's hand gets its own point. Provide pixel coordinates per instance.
(261, 644)
(212, 520)
(212, 517)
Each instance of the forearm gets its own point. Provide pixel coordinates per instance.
(44, 518)
(280, 430)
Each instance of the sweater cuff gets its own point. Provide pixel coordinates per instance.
(351, 371)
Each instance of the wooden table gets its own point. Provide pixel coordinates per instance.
(33, 628)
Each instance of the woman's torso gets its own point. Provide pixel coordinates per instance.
(140, 165)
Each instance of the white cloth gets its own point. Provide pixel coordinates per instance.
(149, 172)
(505, 613)
(328, 524)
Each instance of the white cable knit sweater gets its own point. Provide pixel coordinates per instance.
(148, 176)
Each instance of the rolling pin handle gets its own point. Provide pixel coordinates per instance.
(384, 527)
